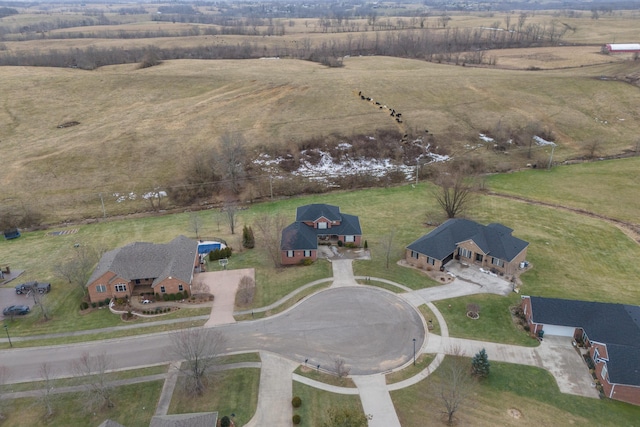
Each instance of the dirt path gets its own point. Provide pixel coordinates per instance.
(628, 228)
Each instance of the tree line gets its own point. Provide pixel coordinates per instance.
(447, 45)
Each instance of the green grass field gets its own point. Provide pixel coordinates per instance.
(315, 403)
(512, 395)
(600, 187)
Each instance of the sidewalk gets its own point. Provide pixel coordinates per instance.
(275, 394)
(376, 401)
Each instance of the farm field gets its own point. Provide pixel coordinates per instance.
(148, 129)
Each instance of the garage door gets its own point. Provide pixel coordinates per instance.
(560, 331)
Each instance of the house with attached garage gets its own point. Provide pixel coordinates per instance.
(608, 336)
(488, 246)
(145, 268)
(317, 224)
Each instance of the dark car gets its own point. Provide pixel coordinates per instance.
(24, 288)
(14, 310)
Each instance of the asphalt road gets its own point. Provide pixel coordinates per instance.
(371, 329)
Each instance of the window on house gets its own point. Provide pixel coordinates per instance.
(604, 372)
(497, 261)
(121, 287)
(180, 288)
(479, 257)
(596, 355)
(464, 252)
(101, 288)
(431, 261)
(349, 239)
(414, 254)
(322, 225)
(289, 254)
(307, 253)
(137, 281)
(162, 289)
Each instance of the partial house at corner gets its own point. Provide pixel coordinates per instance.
(144, 268)
(608, 334)
(317, 223)
(491, 247)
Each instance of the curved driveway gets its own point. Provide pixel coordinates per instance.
(371, 329)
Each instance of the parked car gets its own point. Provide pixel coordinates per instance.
(24, 288)
(14, 310)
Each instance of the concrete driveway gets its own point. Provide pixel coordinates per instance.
(558, 356)
(9, 297)
(223, 285)
(468, 281)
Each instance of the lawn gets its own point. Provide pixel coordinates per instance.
(531, 391)
(605, 188)
(573, 256)
(134, 406)
(315, 403)
(228, 392)
(494, 325)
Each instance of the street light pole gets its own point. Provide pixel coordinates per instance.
(414, 352)
(6, 329)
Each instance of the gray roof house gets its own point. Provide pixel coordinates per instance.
(145, 265)
(317, 223)
(611, 332)
(491, 246)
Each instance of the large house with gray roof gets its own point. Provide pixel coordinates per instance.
(317, 223)
(144, 268)
(608, 335)
(488, 246)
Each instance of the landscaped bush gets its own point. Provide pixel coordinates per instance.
(366, 244)
(84, 305)
(94, 305)
(107, 301)
(100, 303)
(306, 261)
(351, 245)
(296, 419)
(217, 254)
(340, 243)
(296, 402)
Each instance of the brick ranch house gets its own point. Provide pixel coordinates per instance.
(317, 223)
(610, 333)
(491, 247)
(144, 268)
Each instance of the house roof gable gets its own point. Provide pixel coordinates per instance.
(142, 260)
(615, 325)
(494, 239)
(316, 211)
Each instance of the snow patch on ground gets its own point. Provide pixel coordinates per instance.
(541, 141)
(486, 138)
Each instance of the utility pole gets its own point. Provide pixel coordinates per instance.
(553, 147)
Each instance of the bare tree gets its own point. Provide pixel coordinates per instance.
(342, 370)
(246, 291)
(453, 190)
(38, 301)
(269, 229)
(197, 348)
(196, 223)
(456, 383)
(46, 393)
(231, 209)
(99, 391)
(230, 160)
(592, 148)
(77, 271)
(217, 218)
(387, 246)
(347, 416)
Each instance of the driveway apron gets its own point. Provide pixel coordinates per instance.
(274, 397)
(376, 401)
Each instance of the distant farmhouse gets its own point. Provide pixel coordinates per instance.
(145, 268)
(608, 334)
(621, 48)
(317, 223)
(491, 247)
